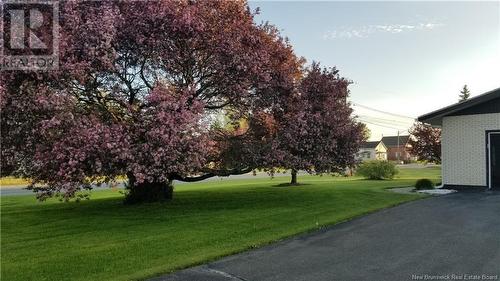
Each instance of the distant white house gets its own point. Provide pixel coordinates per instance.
(372, 150)
(470, 140)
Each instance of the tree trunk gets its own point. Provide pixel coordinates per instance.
(148, 191)
(294, 177)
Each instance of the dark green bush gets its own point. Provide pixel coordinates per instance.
(377, 170)
(424, 184)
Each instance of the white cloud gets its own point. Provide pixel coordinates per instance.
(366, 30)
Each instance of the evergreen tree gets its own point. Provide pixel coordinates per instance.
(464, 94)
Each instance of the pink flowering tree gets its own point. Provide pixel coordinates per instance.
(135, 95)
(317, 132)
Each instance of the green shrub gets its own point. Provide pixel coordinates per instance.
(377, 170)
(424, 184)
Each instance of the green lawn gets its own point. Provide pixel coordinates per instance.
(102, 239)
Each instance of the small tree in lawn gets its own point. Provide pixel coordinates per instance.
(134, 95)
(425, 142)
(316, 131)
(464, 94)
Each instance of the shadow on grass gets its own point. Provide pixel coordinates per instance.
(287, 184)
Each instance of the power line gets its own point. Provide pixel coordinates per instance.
(387, 121)
(364, 121)
(381, 111)
(385, 124)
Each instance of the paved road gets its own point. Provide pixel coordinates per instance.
(440, 236)
(21, 189)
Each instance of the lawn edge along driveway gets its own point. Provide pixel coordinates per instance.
(456, 233)
(298, 235)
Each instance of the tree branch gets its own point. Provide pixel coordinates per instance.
(212, 173)
(143, 77)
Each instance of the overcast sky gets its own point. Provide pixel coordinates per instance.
(407, 58)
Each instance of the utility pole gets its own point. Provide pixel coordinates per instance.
(397, 152)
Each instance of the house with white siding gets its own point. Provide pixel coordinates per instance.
(372, 150)
(470, 141)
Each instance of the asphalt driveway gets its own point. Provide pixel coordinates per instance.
(440, 238)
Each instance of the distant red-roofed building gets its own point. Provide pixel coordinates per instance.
(397, 148)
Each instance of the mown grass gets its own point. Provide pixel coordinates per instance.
(102, 239)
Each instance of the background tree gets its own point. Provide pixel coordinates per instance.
(464, 94)
(367, 133)
(425, 142)
(134, 96)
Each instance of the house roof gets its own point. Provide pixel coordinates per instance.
(485, 103)
(392, 141)
(369, 144)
